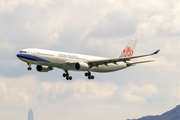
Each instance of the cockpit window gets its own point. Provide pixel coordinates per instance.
(23, 52)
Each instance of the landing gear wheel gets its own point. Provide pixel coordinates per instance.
(70, 78)
(64, 75)
(86, 74)
(29, 68)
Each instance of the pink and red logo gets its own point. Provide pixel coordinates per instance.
(128, 52)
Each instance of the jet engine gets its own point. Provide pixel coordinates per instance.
(81, 66)
(129, 63)
(41, 68)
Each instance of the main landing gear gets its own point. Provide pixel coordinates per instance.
(29, 68)
(88, 74)
(66, 74)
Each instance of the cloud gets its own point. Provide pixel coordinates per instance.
(165, 64)
(3, 87)
(171, 47)
(81, 90)
(139, 94)
(149, 26)
(100, 28)
(86, 90)
(17, 91)
(10, 5)
(55, 27)
(30, 89)
(162, 64)
(129, 97)
(172, 25)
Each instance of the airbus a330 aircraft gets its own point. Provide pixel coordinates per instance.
(46, 60)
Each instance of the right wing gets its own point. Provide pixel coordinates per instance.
(93, 63)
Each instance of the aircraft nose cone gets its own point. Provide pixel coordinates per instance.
(18, 55)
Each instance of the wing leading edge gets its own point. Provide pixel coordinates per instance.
(93, 63)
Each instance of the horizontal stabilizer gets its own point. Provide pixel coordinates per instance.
(134, 63)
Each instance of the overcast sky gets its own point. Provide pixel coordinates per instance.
(94, 27)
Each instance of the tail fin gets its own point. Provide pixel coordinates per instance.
(129, 49)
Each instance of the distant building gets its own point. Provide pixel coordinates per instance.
(30, 115)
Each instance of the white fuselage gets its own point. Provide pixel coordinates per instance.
(64, 60)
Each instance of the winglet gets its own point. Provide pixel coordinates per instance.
(156, 52)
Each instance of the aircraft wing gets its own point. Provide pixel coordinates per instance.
(115, 60)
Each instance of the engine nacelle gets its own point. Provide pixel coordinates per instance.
(129, 63)
(81, 66)
(41, 68)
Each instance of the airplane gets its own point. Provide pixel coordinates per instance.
(46, 60)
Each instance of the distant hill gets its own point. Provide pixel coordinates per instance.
(173, 114)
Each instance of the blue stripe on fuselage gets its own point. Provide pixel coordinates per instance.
(30, 57)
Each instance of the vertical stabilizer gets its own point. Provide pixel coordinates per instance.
(30, 115)
(129, 49)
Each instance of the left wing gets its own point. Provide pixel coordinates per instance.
(93, 63)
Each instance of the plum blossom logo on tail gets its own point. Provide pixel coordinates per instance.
(128, 52)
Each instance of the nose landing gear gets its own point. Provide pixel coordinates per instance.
(29, 68)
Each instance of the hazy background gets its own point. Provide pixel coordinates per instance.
(94, 27)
